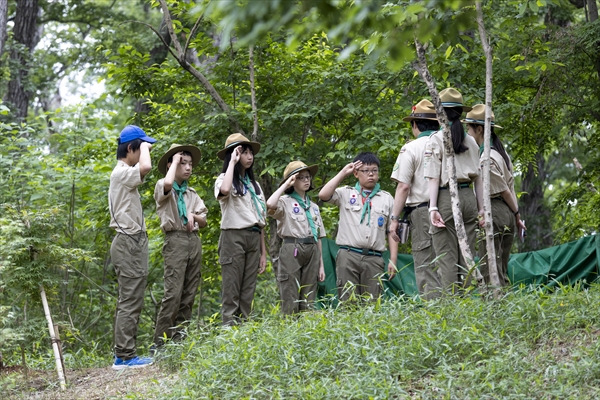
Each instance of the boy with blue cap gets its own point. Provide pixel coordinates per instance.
(129, 249)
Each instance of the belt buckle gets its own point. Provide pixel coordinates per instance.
(365, 252)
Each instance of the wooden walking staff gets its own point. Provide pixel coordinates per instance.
(421, 67)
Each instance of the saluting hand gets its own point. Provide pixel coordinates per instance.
(177, 158)
(350, 168)
(290, 181)
(235, 156)
(146, 145)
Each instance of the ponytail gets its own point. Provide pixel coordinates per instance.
(500, 149)
(456, 129)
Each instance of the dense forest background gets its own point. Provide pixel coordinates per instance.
(331, 79)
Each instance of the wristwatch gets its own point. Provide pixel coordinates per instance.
(393, 217)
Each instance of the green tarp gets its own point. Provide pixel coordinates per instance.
(564, 264)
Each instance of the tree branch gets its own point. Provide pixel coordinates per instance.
(253, 94)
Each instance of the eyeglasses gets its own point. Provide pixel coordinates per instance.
(304, 178)
(369, 171)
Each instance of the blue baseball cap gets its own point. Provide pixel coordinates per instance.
(132, 132)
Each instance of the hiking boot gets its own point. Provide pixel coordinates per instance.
(156, 349)
(135, 362)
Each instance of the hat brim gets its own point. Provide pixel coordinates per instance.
(193, 150)
(464, 121)
(411, 118)
(255, 148)
(312, 169)
(464, 108)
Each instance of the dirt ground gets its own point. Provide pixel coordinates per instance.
(91, 383)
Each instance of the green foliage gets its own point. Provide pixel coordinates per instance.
(528, 343)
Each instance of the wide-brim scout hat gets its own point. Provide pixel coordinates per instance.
(295, 167)
(451, 97)
(477, 116)
(177, 148)
(235, 140)
(421, 111)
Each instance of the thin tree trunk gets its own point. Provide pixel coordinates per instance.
(253, 94)
(539, 229)
(592, 10)
(25, 33)
(57, 359)
(423, 70)
(3, 20)
(487, 134)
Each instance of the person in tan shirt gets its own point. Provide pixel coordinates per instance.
(364, 221)
(300, 226)
(242, 249)
(129, 248)
(506, 218)
(182, 212)
(412, 198)
(450, 263)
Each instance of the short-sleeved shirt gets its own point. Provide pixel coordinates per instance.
(166, 207)
(237, 209)
(124, 204)
(410, 169)
(350, 231)
(292, 219)
(501, 177)
(467, 162)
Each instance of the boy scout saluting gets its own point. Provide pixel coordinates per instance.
(129, 249)
(181, 212)
(300, 226)
(412, 197)
(365, 212)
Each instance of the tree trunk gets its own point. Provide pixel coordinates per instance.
(25, 32)
(253, 94)
(487, 134)
(421, 67)
(539, 229)
(592, 10)
(3, 20)
(57, 358)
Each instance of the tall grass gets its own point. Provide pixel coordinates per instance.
(529, 344)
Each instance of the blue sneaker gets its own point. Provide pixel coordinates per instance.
(135, 362)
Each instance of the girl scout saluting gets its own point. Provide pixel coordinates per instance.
(452, 266)
(505, 209)
(300, 226)
(242, 250)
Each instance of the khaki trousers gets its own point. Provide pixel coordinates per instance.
(503, 221)
(451, 265)
(297, 276)
(358, 274)
(129, 255)
(182, 252)
(428, 280)
(239, 256)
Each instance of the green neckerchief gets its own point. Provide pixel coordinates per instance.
(483, 145)
(257, 200)
(424, 134)
(306, 207)
(367, 205)
(180, 190)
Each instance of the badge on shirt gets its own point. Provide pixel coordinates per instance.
(380, 220)
(296, 208)
(316, 211)
(353, 199)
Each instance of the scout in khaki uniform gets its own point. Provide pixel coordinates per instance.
(505, 208)
(365, 212)
(412, 198)
(452, 268)
(300, 226)
(181, 212)
(129, 249)
(242, 250)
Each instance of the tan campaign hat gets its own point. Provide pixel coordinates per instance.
(451, 97)
(421, 111)
(296, 166)
(477, 116)
(177, 148)
(237, 139)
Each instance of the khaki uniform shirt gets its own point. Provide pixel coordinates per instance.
(166, 207)
(410, 169)
(126, 214)
(237, 210)
(350, 231)
(501, 177)
(292, 219)
(467, 163)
